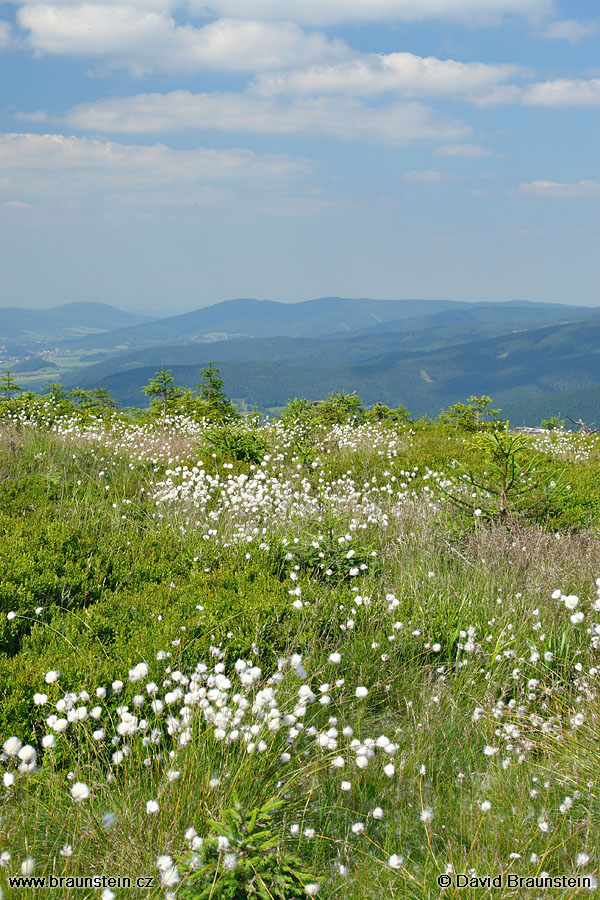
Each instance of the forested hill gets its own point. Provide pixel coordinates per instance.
(58, 323)
(534, 359)
(522, 372)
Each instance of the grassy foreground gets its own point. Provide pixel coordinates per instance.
(333, 668)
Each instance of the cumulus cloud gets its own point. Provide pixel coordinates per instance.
(558, 189)
(64, 170)
(5, 35)
(563, 92)
(343, 118)
(571, 30)
(404, 74)
(429, 176)
(468, 151)
(55, 152)
(329, 12)
(144, 39)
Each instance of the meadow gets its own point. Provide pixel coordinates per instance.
(314, 657)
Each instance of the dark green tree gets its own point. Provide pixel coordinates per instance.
(96, 398)
(163, 392)
(8, 385)
(340, 408)
(213, 396)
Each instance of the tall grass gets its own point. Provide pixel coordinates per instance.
(396, 690)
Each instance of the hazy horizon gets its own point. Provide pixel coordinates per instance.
(162, 312)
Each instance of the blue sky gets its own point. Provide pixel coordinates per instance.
(166, 155)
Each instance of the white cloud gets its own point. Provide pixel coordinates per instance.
(55, 169)
(558, 189)
(5, 35)
(571, 30)
(404, 74)
(563, 92)
(468, 151)
(17, 204)
(144, 39)
(343, 118)
(429, 176)
(329, 12)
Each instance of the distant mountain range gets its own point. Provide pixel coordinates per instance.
(32, 327)
(534, 359)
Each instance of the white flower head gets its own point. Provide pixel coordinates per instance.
(80, 791)
(12, 746)
(27, 754)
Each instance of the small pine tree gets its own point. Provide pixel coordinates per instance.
(8, 385)
(212, 394)
(163, 391)
(96, 398)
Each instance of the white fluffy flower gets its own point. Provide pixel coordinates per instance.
(80, 791)
(27, 754)
(12, 746)
(138, 672)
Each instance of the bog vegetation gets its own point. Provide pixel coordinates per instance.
(339, 654)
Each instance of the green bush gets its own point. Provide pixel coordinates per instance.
(235, 442)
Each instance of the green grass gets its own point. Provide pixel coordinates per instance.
(439, 627)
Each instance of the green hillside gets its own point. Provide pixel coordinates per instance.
(523, 370)
(304, 656)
